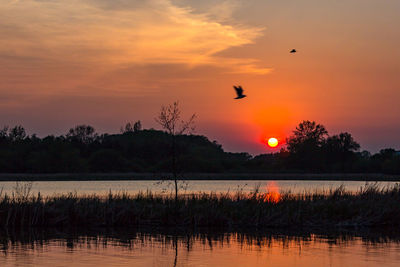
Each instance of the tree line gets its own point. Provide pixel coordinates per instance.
(309, 149)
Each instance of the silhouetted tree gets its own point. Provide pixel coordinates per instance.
(17, 133)
(387, 160)
(170, 120)
(137, 126)
(130, 128)
(172, 150)
(307, 131)
(343, 142)
(305, 144)
(4, 132)
(387, 153)
(84, 134)
(341, 149)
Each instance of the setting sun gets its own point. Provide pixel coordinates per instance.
(272, 142)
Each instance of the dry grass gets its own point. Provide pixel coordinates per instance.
(369, 207)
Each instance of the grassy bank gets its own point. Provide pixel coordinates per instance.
(198, 176)
(370, 207)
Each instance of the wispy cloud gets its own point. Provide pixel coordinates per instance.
(121, 33)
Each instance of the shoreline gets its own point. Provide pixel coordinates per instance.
(9, 177)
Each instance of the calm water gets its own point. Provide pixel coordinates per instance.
(103, 187)
(228, 249)
(99, 247)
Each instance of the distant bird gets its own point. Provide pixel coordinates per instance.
(293, 51)
(239, 92)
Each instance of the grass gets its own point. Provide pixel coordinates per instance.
(369, 207)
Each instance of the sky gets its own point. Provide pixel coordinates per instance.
(109, 62)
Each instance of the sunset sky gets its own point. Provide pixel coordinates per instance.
(107, 62)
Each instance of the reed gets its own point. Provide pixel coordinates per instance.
(369, 207)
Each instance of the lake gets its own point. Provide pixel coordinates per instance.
(201, 247)
(47, 188)
(164, 248)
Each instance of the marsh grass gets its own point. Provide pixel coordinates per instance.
(370, 206)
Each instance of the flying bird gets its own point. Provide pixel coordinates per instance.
(293, 51)
(239, 92)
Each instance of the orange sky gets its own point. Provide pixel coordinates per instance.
(106, 62)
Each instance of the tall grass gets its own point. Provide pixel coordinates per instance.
(369, 207)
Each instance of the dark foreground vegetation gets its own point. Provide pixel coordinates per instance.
(369, 207)
(135, 150)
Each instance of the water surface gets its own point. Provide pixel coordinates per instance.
(205, 249)
(47, 188)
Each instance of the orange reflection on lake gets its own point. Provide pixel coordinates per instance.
(231, 249)
(272, 195)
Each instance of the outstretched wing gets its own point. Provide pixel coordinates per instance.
(239, 90)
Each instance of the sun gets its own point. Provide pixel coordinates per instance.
(273, 142)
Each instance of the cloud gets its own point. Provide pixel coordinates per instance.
(109, 34)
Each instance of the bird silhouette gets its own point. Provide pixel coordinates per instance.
(239, 92)
(293, 51)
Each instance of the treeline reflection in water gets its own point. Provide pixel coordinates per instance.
(175, 237)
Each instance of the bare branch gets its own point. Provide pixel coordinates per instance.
(170, 120)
